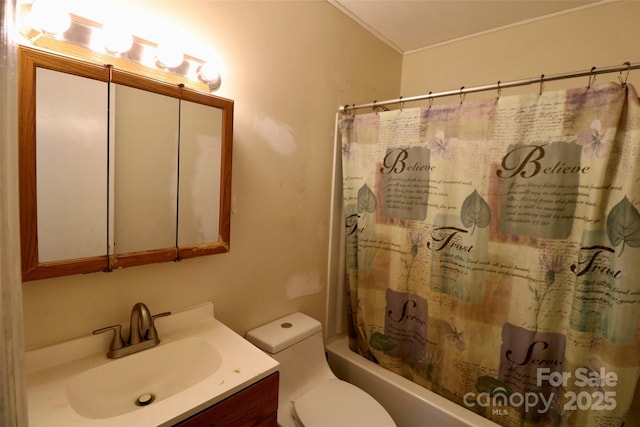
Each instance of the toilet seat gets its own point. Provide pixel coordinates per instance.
(335, 403)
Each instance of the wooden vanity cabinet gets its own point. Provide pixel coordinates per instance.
(255, 406)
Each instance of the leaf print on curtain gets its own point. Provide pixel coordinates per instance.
(623, 225)
(361, 228)
(475, 212)
(366, 200)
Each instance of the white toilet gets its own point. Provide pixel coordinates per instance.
(310, 395)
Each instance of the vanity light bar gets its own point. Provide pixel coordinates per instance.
(88, 34)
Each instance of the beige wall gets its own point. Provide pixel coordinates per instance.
(599, 36)
(288, 66)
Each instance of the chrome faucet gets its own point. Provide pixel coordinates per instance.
(142, 332)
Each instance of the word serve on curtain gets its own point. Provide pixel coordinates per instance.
(493, 251)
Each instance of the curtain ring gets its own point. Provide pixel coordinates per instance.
(592, 77)
(430, 99)
(499, 90)
(624, 82)
(374, 107)
(401, 104)
(461, 95)
(541, 83)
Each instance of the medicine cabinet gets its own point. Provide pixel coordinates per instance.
(117, 169)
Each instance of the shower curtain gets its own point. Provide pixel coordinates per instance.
(493, 251)
(13, 395)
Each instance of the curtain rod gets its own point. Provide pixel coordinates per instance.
(627, 66)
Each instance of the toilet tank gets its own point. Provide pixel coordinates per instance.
(284, 332)
(296, 342)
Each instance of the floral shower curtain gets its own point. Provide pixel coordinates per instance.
(493, 251)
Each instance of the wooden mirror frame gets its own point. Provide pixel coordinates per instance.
(32, 269)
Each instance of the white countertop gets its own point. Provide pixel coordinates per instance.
(50, 369)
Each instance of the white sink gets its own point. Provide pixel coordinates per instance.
(119, 386)
(198, 363)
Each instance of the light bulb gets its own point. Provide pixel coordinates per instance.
(50, 17)
(209, 73)
(115, 40)
(169, 56)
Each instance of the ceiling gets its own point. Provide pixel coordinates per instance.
(409, 25)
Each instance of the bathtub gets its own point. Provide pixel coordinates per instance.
(409, 404)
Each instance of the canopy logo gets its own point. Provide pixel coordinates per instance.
(598, 397)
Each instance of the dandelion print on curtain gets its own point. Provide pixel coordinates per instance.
(493, 251)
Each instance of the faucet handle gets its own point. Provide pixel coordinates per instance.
(153, 334)
(116, 342)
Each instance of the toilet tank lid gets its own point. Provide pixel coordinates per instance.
(284, 332)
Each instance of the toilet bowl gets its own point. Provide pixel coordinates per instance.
(310, 395)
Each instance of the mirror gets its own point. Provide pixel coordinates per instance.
(116, 169)
(74, 137)
(145, 140)
(204, 187)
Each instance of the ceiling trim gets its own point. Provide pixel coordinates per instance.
(513, 25)
(389, 43)
(366, 26)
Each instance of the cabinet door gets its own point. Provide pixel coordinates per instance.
(200, 174)
(71, 158)
(146, 160)
(255, 406)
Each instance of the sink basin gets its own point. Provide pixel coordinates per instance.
(115, 388)
(198, 363)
